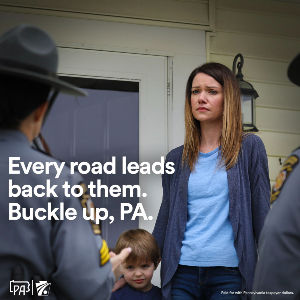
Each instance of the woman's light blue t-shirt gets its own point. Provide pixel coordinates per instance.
(208, 238)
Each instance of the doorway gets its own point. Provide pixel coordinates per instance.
(125, 114)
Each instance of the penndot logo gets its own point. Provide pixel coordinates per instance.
(43, 288)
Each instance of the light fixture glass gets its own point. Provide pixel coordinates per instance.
(248, 95)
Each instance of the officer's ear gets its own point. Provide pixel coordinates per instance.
(39, 112)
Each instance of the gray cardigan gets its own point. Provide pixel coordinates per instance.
(249, 195)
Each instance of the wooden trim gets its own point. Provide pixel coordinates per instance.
(102, 17)
(275, 107)
(251, 57)
(212, 14)
(256, 12)
(277, 131)
(255, 34)
(208, 36)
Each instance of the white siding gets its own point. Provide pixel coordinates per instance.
(267, 33)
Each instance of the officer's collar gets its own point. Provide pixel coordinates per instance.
(14, 134)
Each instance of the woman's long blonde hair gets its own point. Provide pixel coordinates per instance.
(232, 130)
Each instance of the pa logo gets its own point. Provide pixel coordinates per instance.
(19, 288)
(42, 288)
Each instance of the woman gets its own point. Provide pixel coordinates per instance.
(215, 203)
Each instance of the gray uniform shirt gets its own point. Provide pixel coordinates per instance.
(277, 273)
(65, 253)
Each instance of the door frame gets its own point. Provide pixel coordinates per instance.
(150, 71)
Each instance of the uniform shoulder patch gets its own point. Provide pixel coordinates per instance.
(104, 253)
(283, 175)
(88, 204)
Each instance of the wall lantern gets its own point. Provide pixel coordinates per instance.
(248, 95)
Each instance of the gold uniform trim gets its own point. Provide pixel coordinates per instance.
(104, 253)
(284, 173)
(87, 203)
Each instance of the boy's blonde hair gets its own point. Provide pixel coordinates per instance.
(143, 245)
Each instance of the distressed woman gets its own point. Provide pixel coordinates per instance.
(215, 203)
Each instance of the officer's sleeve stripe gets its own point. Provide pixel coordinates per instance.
(104, 253)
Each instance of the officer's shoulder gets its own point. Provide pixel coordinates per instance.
(288, 167)
(296, 151)
(43, 157)
(293, 158)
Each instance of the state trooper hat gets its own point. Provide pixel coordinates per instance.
(294, 70)
(29, 52)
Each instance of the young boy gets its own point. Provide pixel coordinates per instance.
(139, 266)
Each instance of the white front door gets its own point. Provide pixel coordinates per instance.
(151, 74)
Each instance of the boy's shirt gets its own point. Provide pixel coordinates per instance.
(128, 292)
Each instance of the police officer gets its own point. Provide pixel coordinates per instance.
(43, 249)
(278, 269)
